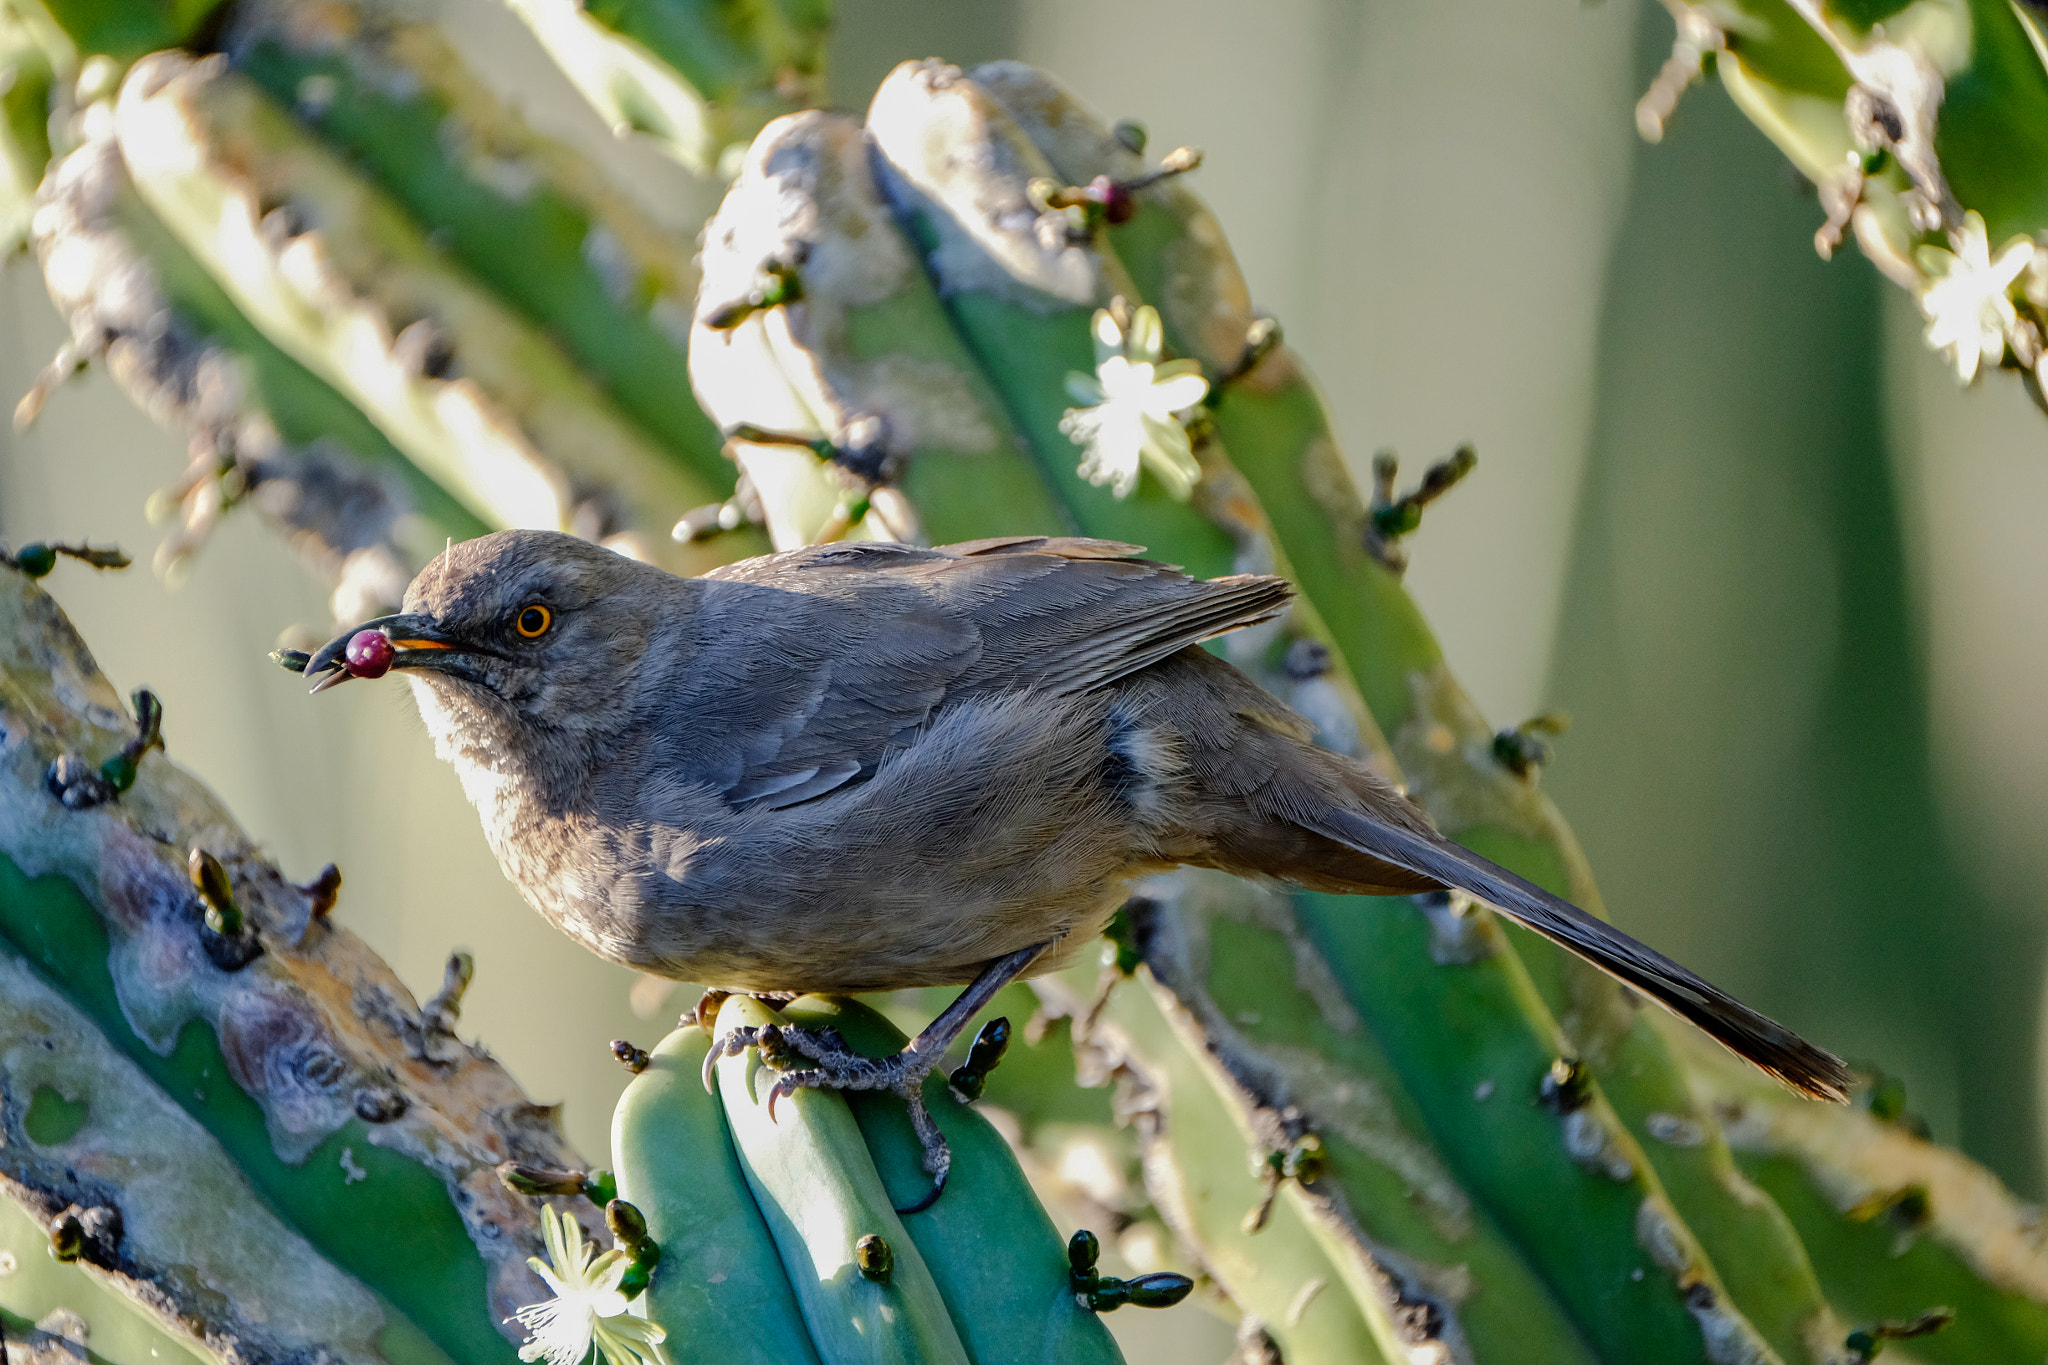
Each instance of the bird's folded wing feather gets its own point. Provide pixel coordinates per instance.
(865, 642)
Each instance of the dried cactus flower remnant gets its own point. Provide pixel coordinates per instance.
(1136, 407)
(589, 1308)
(1968, 296)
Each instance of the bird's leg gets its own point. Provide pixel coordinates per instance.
(839, 1067)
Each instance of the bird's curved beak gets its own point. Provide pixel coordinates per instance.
(418, 641)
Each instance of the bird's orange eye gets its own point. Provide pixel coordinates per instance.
(533, 622)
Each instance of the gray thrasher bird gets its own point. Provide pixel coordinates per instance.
(860, 767)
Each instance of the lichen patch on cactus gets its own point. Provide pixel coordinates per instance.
(287, 1027)
(951, 148)
(265, 1290)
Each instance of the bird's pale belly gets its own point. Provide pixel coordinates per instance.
(844, 947)
(886, 884)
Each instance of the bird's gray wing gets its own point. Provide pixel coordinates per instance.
(1069, 615)
(840, 653)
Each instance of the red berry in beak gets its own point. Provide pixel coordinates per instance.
(369, 654)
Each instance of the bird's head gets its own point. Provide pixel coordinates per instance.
(533, 632)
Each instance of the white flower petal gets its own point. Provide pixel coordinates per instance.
(1967, 300)
(1146, 335)
(1179, 393)
(1109, 339)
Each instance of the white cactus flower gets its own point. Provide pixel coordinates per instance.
(1136, 408)
(1968, 299)
(588, 1308)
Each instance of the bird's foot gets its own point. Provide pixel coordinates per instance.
(839, 1067)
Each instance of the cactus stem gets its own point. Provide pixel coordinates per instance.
(1524, 749)
(439, 1014)
(322, 893)
(1393, 517)
(1261, 339)
(37, 558)
(781, 283)
(1107, 201)
(1867, 1342)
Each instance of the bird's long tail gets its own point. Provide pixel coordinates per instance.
(1763, 1042)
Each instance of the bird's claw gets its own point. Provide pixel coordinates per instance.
(839, 1067)
(726, 1045)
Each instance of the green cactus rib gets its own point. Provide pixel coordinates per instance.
(123, 29)
(1896, 1225)
(370, 1132)
(398, 1234)
(527, 217)
(701, 77)
(257, 426)
(1458, 1034)
(816, 1185)
(1967, 84)
(720, 1278)
(39, 1286)
(1023, 308)
(1992, 136)
(303, 407)
(1282, 1276)
(1271, 420)
(187, 1215)
(26, 82)
(1262, 1004)
(1009, 1294)
(871, 343)
(514, 430)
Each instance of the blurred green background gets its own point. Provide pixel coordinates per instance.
(1730, 515)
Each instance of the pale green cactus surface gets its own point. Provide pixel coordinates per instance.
(1923, 125)
(386, 312)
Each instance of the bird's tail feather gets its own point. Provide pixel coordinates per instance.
(1766, 1044)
